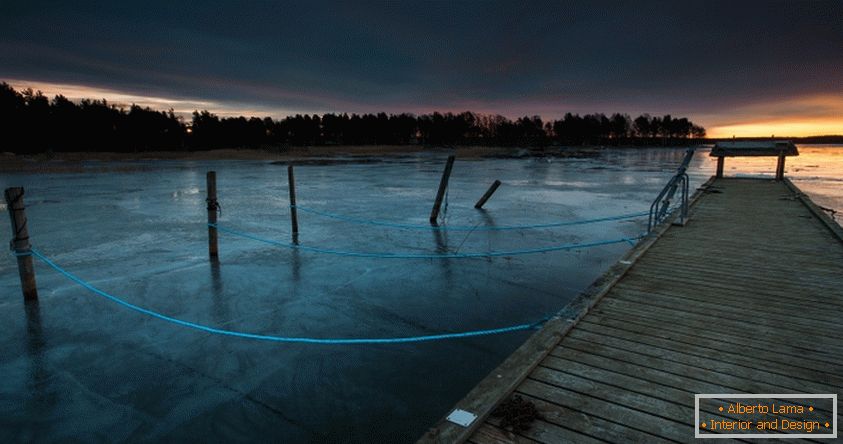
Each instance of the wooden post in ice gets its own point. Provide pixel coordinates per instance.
(20, 242)
(294, 220)
(443, 185)
(213, 206)
(488, 194)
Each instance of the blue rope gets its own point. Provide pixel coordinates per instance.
(357, 220)
(424, 256)
(293, 339)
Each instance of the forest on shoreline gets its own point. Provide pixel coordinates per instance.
(33, 123)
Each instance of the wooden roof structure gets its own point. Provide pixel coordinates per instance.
(735, 148)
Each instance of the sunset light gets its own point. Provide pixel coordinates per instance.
(800, 116)
(180, 106)
(421, 222)
(785, 118)
(779, 128)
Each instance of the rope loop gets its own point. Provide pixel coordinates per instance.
(214, 204)
(274, 338)
(19, 253)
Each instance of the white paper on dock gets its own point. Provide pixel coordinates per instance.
(461, 417)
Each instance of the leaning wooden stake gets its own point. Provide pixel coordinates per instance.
(294, 220)
(488, 194)
(213, 207)
(443, 185)
(20, 242)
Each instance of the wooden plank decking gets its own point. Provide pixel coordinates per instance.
(746, 298)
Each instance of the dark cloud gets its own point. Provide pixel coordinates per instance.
(507, 57)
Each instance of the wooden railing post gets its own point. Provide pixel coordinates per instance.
(719, 166)
(294, 220)
(213, 207)
(440, 194)
(20, 242)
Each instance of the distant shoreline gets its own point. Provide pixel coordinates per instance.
(70, 162)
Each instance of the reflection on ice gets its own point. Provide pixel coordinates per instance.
(186, 192)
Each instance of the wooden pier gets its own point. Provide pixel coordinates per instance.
(747, 297)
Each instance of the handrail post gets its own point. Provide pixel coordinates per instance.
(683, 215)
(213, 207)
(20, 243)
(659, 207)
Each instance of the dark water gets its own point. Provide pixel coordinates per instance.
(80, 368)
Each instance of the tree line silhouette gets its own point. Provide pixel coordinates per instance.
(33, 123)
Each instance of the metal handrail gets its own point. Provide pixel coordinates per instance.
(660, 206)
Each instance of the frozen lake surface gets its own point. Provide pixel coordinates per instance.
(79, 367)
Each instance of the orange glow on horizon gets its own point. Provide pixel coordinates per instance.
(779, 128)
(816, 115)
(799, 116)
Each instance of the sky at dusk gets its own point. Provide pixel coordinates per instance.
(736, 67)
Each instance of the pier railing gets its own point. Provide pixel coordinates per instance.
(661, 205)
